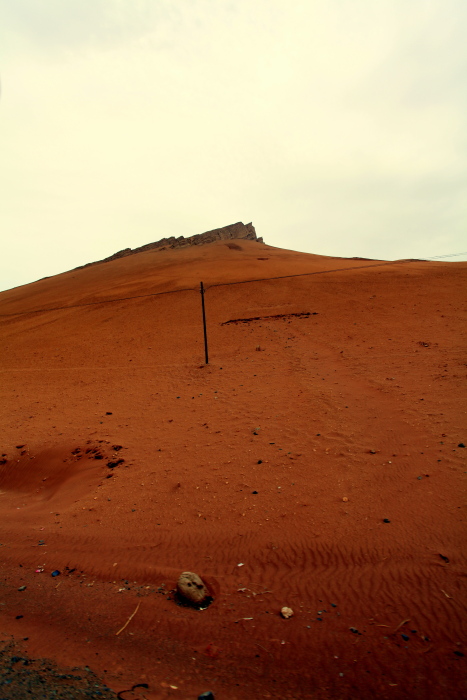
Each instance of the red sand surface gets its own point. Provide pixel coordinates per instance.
(269, 472)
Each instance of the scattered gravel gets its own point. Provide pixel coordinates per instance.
(22, 678)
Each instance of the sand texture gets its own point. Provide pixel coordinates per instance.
(315, 464)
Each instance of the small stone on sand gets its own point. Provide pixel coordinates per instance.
(192, 587)
(286, 613)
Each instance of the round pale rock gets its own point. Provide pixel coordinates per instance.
(286, 613)
(192, 587)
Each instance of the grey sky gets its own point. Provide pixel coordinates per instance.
(337, 126)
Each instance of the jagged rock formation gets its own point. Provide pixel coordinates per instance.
(238, 230)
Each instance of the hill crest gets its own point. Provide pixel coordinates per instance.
(237, 230)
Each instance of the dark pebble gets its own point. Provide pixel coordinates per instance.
(22, 588)
(254, 492)
(386, 520)
(461, 444)
(260, 461)
(206, 696)
(56, 573)
(405, 637)
(458, 653)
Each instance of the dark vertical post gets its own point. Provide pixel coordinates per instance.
(201, 289)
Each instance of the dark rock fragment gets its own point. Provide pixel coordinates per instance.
(112, 465)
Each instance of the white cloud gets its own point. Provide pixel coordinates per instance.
(337, 126)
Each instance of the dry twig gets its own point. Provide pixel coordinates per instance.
(402, 623)
(129, 619)
(261, 647)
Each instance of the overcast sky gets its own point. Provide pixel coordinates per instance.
(337, 126)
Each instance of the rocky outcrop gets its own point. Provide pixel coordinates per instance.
(238, 230)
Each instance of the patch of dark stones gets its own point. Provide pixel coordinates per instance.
(23, 678)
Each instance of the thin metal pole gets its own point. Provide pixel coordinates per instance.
(201, 289)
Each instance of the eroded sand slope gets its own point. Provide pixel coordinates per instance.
(286, 460)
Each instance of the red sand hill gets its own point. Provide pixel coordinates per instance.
(322, 472)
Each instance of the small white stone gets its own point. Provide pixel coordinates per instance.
(286, 613)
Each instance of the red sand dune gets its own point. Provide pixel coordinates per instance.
(269, 472)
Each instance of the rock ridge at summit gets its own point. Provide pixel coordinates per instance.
(237, 230)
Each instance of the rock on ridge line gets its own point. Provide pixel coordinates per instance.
(238, 230)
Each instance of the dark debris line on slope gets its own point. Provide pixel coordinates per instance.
(303, 314)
